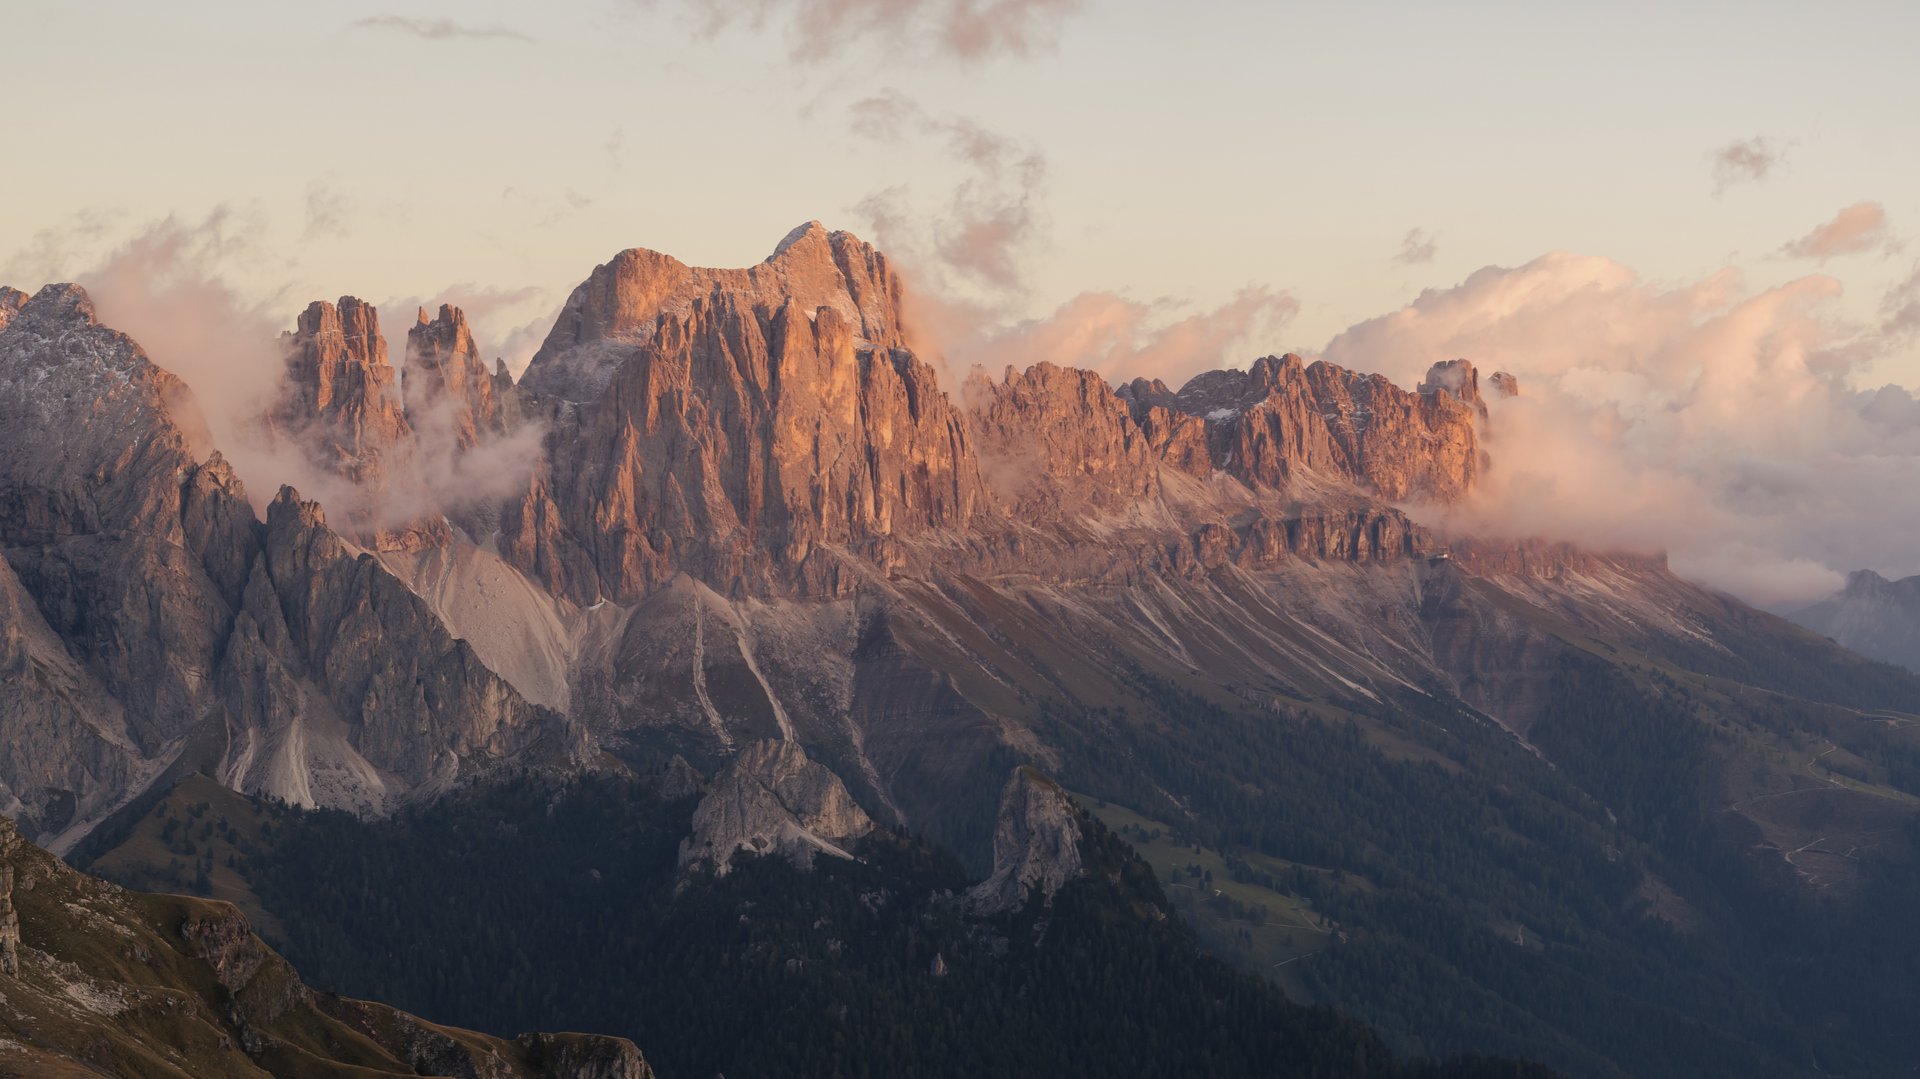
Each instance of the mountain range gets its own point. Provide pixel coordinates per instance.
(730, 531)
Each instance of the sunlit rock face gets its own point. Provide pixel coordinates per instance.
(745, 426)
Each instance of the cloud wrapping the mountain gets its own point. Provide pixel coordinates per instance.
(1118, 337)
(1855, 229)
(1721, 425)
(168, 288)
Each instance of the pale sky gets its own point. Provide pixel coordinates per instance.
(1186, 156)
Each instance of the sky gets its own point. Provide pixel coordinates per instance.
(1374, 182)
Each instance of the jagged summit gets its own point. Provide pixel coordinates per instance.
(451, 397)
(619, 306)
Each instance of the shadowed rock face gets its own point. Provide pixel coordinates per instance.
(1036, 845)
(108, 982)
(148, 620)
(771, 799)
(1873, 616)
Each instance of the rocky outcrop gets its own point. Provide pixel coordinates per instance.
(120, 983)
(1055, 438)
(1873, 616)
(750, 435)
(340, 407)
(1503, 384)
(1036, 845)
(148, 618)
(9, 917)
(340, 400)
(11, 301)
(452, 400)
(583, 1056)
(1283, 417)
(771, 799)
(625, 303)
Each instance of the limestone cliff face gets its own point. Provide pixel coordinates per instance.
(1283, 417)
(1036, 845)
(110, 982)
(1054, 437)
(341, 401)
(148, 620)
(340, 407)
(625, 302)
(771, 799)
(750, 435)
(451, 397)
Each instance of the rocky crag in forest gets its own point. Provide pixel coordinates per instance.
(743, 510)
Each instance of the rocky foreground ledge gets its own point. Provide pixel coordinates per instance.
(96, 980)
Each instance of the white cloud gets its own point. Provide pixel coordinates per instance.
(1714, 422)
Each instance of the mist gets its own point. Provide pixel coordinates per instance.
(1725, 426)
(168, 289)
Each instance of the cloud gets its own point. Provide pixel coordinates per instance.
(1857, 228)
(968, 30)
(438, 29)
(1416, 248)
(169, 287)
(1118, 337)
(166, 287)
(990, 219)
(1719, 424)
(328, 209)
(1744, 161)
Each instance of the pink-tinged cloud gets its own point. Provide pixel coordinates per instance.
(980, 237)
(1715, 423)
(1860, 227)
(1118, 337)
(1744, 161)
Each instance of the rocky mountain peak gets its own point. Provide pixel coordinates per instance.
(1052, 437)
(1283, 417)
(11, 301)
(623, 302)
(340, 400)
(1503, 384)
(773, 799)
(1036, 845)
(451, 398)
(340, 407)
(1454, 376)
(746, 427)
